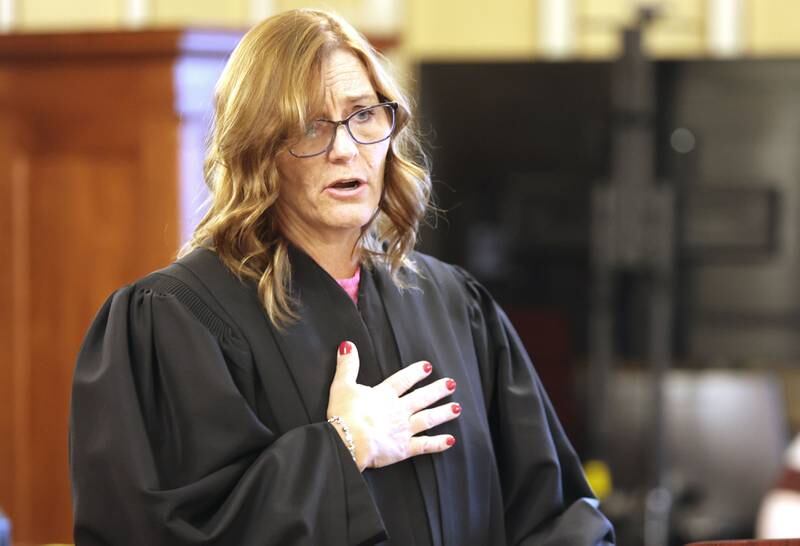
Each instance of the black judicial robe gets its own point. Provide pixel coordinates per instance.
(194, 421)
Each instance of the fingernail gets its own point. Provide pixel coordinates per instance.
(427, 367)
(344, 348)
(451, 441)
(456, 408)
(451, 385)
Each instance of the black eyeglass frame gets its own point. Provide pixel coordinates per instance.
(346, 122)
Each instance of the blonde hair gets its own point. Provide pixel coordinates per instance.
(268, 89)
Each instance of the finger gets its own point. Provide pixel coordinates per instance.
(425, 396)
(400, 382)
(428, 419)
(420, 445)
(347, 363)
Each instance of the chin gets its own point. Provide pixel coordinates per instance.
(353, 219)
(352, 224)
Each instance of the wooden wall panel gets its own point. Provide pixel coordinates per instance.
(6, 337)
(14, 335)
(90, 179)
(83, 226)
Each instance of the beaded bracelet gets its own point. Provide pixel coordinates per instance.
(348, 438)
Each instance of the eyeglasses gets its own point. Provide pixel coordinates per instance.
(366, 126)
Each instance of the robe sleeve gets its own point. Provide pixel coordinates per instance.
(166, 450)
(547, 499)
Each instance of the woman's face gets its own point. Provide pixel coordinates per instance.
(331, 196)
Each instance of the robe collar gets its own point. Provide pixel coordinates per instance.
(327, 316)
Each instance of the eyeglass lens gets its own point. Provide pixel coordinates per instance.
(366, 126)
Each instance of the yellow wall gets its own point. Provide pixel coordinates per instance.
(475, 28)
(773, 27)
(346, 8)
(72, 14)
(506, 29)
(200, 12)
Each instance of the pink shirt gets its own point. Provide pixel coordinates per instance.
(350, 285)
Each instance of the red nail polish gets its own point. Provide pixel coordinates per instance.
(427, 367)
(451, 385)
(451, 441)
(344, 348)
(456, 408)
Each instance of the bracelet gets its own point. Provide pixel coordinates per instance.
(348, 438)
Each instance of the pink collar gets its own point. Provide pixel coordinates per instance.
(350, 285)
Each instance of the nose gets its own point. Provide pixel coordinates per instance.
(343, 147)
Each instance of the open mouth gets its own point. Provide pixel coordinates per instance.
(346, 185)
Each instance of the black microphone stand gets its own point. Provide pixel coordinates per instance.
(632, 232)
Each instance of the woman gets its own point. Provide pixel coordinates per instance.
(243, 396)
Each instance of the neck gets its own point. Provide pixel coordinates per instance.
(334, 250)
(339, 260)
(338, 256)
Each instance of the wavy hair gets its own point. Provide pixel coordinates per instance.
(268, 90)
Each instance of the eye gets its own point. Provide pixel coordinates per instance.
(364, 115)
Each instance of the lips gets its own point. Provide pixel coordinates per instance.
(347, 189)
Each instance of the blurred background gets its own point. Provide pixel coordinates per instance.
(622, 175)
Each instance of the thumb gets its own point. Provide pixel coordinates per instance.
(347, 363)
